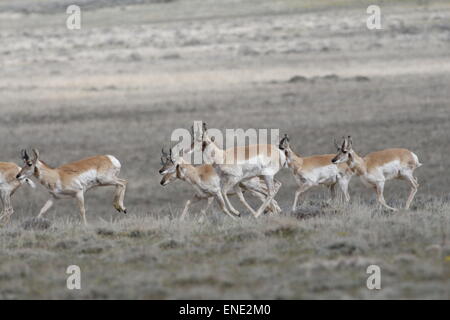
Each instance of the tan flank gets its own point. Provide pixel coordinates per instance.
(241, 163)
(378, 167)
(206, 182)
(315, 171)
(74, 179)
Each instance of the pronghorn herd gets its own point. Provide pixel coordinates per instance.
(256, 165)
(232, 171)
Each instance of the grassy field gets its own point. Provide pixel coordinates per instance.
(139, 69)
(317, 253)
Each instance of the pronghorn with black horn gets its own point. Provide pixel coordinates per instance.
(240, 163)
(316, 170)
(72, 180)
(8, 186)
(206, 182)
(378, 167)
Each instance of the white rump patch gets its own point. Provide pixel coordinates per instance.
(416, 159)
(114, 161)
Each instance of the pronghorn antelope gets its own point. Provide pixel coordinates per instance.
(240, 163)
(8, 186)
(206, 182)
(378, 167)
(316, 170)
(74, 179)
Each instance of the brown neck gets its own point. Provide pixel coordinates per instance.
(47, 176)
(357, 164)
(215, 154)
(296, 161)
(189, 173)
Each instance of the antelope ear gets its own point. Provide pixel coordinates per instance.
(350, 142)
(36, 154)
(344, 144)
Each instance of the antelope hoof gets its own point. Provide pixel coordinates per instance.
(235, 212)
(120, 209)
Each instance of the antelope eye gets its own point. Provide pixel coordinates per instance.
(29, 164)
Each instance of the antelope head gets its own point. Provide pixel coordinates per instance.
(30, 164)
(344, 151)
(284, 143)
(171, 169)
(167, 162)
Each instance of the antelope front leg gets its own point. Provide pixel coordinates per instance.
(194, 199)
(7, 208)
(80, 199)
(185, 210)
(222, 205)
(379, 189)
(45, 208)
(208, 205)
(343, 184)
(302, 188)
(332, 192)
(228, 184)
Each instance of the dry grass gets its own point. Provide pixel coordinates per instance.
(316, 253)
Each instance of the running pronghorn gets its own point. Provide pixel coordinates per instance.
(378, 167)
(8, 186)
(74, 179)
(206, 182)
(240, 163)
(316, 170)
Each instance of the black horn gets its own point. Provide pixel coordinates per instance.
(24, 155)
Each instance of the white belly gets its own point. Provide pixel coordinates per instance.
(322, 175)
(85, 180)
(387, 171)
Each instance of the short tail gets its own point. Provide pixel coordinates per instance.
(416, 159)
